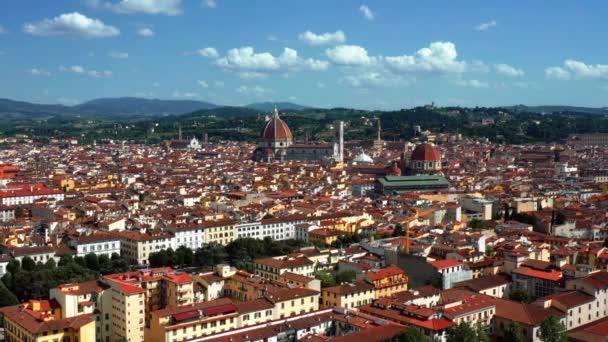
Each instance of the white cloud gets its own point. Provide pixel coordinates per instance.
(38, 72)
(246, 59)
(328, 38)
(348, 55)
(321, 85)
(367, 12)
(80, 70)
(374, 79)
(184, 95)
(252, 75)
(219, 84)
(119, 55)
(203, 84)
(146, 32)
(473, 83)
(272, 38)
(507, 70)
(2, 29)
(208, 52)
(71, 24)
(209, 3)
(486, 26)
(573, 69)
(437, 57)
(67, 101)
(167, 7)
(254, 90)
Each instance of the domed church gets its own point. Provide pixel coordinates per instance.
(425, 159)
(276, 143)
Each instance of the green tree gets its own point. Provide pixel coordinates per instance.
(398, 231)
(65, 259)
(519, 295)
(481, 332)
(19, 212)
(7, 298)
(462, 332)
(477, 224)
(514, 333)
(80, 261)
(560, 218)
(27, 264)
(50, 263)
(327, 280)
(158, 259)
(91, 261)
(13, 266)
(184, 256)
(412, 334)
(345, 277)
(552, 330)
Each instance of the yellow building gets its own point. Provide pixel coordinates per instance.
(386, 280)
(348, 295)
(272, 268)
(41, 321)
(325, 236)
(221, 231)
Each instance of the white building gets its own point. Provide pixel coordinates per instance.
(189, 235)
(98, 244)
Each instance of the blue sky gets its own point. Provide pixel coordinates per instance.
(372, 54)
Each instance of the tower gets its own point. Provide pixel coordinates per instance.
(341, 142)
(378, 143)
(180, 133)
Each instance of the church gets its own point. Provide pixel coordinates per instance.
(276, 143)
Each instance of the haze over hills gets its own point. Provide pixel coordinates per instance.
(125, 107)
(557, 109)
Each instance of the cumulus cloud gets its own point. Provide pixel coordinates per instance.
(80, 70)
(119, 55)
(348, 55)
(473, 83)
(246, 59)
(208, 52)
(328, 38)
(254, 90)
(209, 3)
(508, 70)
(438, 57)
(39, 72)
(374, 79)
(146, 32)
(252, 75)
(486, 26)
(367, 12)
(71, 24)
(184, 95)
(203, 84)
(166, 7)
(573, 69)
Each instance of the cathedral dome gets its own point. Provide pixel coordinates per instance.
(426, 152)
(276, 129)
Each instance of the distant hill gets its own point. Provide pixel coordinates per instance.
(23, 110)
(133, 106)
(107, 108)
(557, 109)
(269, 106)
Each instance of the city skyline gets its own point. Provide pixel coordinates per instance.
(370, 55)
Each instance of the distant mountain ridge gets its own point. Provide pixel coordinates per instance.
(557, 109)
(125, 107)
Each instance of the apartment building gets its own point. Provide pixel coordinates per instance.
(42, 320)
(190, 235)
(137, 246)
(386, 281)
(351, 295)
(272, 268)
(161, 287)
(221, 231)
(99, 243)
(451, 272)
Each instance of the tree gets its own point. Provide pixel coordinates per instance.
(514, 333)
(482, 334)
(412, 334)
(91, 261)
(158, 259)
(19, 212)
(13, 266)
(345, 277)
(462, 332)
(27, 264)
(65, 259)
(80, 261)
(519, 295)
(50, 263)
(552, 330)
(560, 218)
(327, 280)
(7, 298)
(398, 231)
(477, 224)
(184, 256)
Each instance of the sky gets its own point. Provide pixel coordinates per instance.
(380, 54)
